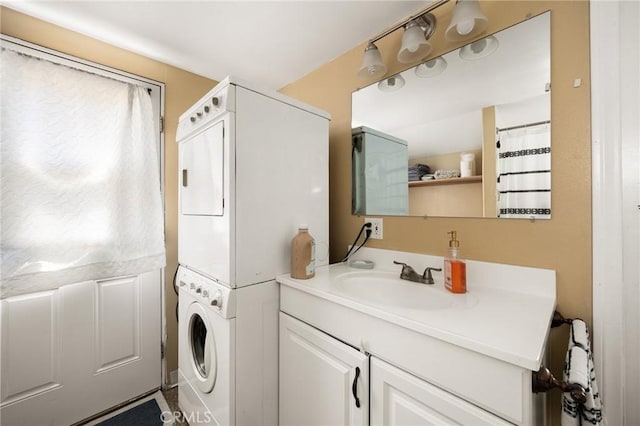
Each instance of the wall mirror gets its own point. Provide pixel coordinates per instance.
(466, 134)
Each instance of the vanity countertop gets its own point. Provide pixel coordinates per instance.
(505, 314)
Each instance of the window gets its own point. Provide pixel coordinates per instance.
(80, 171)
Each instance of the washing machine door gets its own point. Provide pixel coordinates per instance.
(201, 345)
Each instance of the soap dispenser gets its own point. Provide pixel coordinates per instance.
(455, 269)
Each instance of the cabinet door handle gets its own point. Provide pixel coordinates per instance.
(354, 387)
(184, 177)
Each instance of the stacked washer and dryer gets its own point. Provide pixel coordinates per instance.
(253, 165)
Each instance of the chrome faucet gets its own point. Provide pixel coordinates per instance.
(409, 274)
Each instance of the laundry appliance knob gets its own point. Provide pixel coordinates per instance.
(216, 300)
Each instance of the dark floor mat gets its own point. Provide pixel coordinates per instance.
(145, 414)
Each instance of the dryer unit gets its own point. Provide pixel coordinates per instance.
(253, 166)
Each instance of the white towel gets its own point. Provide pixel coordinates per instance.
(579, 369)
(580, 335)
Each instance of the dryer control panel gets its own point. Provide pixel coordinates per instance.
(211, 294)
(217, 101)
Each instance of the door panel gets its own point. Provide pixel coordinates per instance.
(317, 376)
(117, 322)
(73, 352)
(31, 345)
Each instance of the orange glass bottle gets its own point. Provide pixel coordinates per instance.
(455, 268)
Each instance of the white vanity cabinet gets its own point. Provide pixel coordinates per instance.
(321, 378)
(433, 357)
(323, 381)
(399, 398)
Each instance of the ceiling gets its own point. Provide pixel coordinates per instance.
(272, 43)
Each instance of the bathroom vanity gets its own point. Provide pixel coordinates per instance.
(364, 347)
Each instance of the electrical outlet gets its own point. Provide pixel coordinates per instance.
(376, 227)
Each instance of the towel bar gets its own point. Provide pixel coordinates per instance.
(559, 320)
(543, 381)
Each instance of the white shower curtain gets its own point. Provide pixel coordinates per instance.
(524, 172)
(80, 183)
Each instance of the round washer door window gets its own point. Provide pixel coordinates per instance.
(202, 347)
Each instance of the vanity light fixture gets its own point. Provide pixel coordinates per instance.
(468, 21)
(415, 44)
(372, 65)
(479, 48)
(431, 68)
(391, 84)
(415, 40)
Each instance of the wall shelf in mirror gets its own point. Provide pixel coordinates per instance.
(451, 181)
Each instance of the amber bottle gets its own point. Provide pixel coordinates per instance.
(303, 254)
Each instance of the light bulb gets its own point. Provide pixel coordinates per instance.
(373, 70)
(465, 27)
(391, 84)
(372, 65)
(431, 64)
(414, 44)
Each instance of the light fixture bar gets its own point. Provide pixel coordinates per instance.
(432, 6)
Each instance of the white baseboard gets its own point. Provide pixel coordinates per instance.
(173, 378)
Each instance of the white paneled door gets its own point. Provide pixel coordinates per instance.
(70, 353)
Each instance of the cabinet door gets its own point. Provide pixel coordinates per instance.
(322, 380)
(399, 398)
(201, 172)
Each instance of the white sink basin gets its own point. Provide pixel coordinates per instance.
(387, 289)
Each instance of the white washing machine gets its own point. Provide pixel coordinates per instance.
(227, 341)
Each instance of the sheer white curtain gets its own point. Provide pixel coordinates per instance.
(524, 172)
(80, 183)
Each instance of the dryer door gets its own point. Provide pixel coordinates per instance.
(202, 174)
(202, 348)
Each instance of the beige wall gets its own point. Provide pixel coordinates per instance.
(489, 185)
(456, 200)
(182, 90)
(562, 243)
